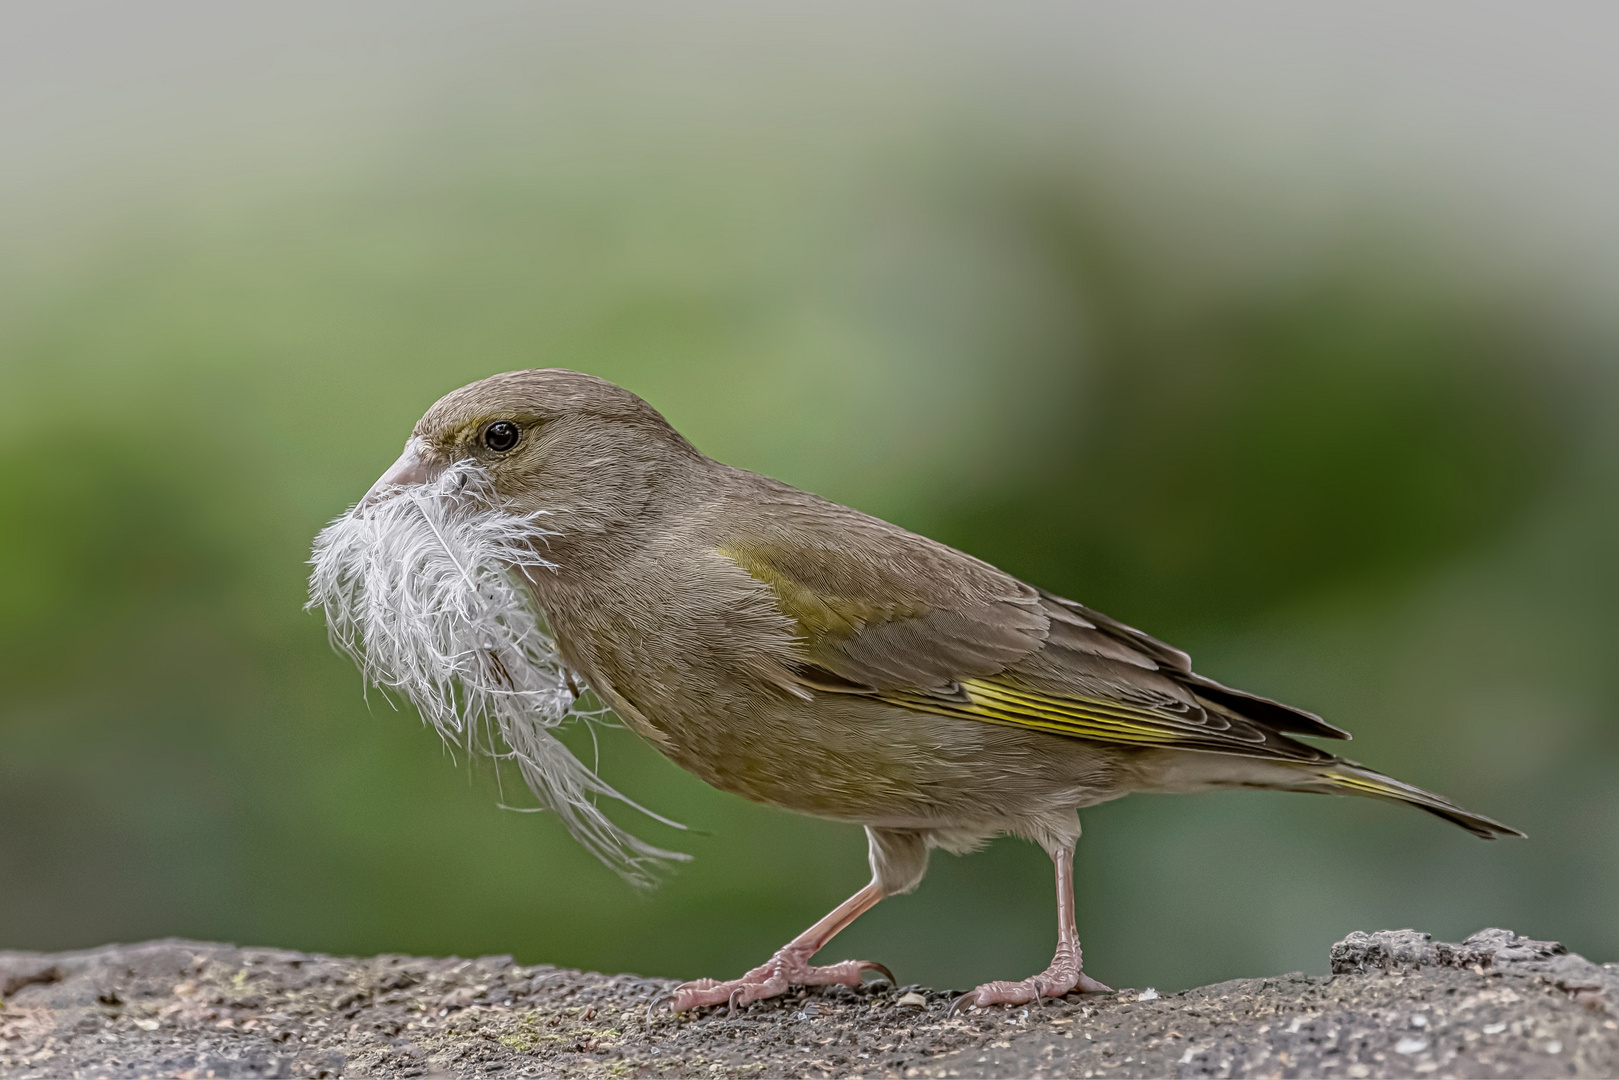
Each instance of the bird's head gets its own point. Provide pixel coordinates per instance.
(430, 583)
(592, 455)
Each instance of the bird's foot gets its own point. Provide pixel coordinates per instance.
(788, 968)
(1064, 976)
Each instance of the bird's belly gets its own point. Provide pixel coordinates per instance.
(850, 758)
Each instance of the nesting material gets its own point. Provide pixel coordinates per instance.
(423, 589)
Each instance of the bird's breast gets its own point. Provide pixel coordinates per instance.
(685, 645)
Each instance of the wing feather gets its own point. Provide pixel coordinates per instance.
(887, 613)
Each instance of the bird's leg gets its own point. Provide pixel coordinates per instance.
(790, 966)
(1065, 973)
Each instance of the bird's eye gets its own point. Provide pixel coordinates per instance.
(501, 436)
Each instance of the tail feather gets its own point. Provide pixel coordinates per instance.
(1346, 776)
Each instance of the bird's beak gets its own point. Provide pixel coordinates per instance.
(415, 466)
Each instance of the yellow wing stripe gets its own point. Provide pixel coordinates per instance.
(1078, 716)
(1078, 708)
(1085, 718)
(1096, 719)
(1367, 785)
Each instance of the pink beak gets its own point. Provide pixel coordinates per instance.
(413, 467)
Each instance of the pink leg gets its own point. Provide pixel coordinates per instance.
(790, 966)
(1063, 976)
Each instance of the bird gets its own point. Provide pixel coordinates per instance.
(803, 654)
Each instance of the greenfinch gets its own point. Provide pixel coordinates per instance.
(546, 531)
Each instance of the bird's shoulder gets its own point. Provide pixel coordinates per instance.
(875, 606)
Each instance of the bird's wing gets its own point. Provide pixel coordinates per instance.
(896, 612)
(890, 614)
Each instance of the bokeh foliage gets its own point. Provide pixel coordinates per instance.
(1371, 484)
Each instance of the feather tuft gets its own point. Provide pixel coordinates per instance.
(422, 590)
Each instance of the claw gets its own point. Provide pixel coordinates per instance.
(961, 1004)
(872, 965)
(661, 1001)
(730, 1002)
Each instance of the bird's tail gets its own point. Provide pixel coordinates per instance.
(1342, 777)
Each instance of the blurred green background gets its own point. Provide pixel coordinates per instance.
(1283, 335)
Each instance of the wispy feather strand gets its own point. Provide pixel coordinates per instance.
(421, 589)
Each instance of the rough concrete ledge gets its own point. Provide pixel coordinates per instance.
(1397, 1005)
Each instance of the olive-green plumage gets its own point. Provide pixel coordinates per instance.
(801, 653)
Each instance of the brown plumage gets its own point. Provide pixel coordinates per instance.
(797, 652)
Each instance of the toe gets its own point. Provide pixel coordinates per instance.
(845, 973)
(702, 992)
(997, 993)
(749, 992)
(1052, 983)
(770, 980)
(686, 998)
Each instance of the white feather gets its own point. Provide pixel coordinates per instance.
(421, 589)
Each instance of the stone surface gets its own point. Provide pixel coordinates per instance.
(1397, 1004)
